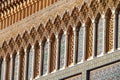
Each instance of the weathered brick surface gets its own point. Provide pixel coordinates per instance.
(35, 19)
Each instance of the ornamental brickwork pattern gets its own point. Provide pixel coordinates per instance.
(70, 46)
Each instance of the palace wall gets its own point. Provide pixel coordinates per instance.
(70, 39)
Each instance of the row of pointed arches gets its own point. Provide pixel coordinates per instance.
(70, 46)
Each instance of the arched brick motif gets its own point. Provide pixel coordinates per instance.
(22, 64)
(53, 53)
(70, 46)
(89, 38)
(37, 60)
(12, 44)
(26, 37)
(84, 11)
(94, 5)
(5, 46)
(103, 5)
(19, 40)
(41, 30)
(57, 23)
(66, 16)
(81, 14)
(109, 31)
(75, 13)
(33, 33)
(48, 27)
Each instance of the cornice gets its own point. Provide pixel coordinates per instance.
(21, 8)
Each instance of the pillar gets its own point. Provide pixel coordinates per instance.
(49, 52)
(3, 76)
(84, 43)
(33, 60)
(18, 54)
(11, 67)
(25, 71)
(114, 30)
(66, 48)
(75, 46)
(104, 34)
(94, 38)
(41, 58)
(57, 52)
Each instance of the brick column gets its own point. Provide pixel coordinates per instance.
(57, 52)
(66, 49)
(49, 52)
(94, 39)
(41, 58)
(114, 30)
(11, 67)
(18, 54)
(25, 71)
(75, 46)
(104, 34)
(3, 75)
(33, 60)
(84, 43)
